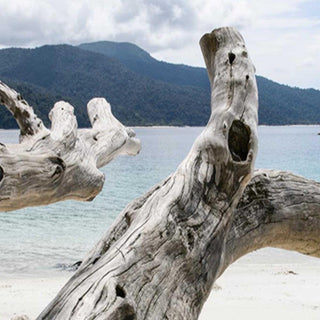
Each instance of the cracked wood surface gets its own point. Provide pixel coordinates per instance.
(162, 255)
(278, 209)
(61, 163)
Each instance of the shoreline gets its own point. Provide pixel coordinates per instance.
(250, 288)
(187, 126)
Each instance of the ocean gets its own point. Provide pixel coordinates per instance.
(45, 241)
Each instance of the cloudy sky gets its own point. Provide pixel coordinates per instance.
(282, 36)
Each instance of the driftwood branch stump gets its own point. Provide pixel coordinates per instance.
(162, 255)
(166, 249)
(61, 163)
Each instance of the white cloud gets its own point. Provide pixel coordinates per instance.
(282, 36)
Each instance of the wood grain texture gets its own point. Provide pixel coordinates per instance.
(63, 162)
(278, 209)
(162, 255)
(27, 120)
(165, 250)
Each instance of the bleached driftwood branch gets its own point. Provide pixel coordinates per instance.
(61, 163)
(278, 209)
(164, 252)
(162, 255)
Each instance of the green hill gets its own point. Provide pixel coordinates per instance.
(40, 99)
(279, 104)
(141, 89)
(81, 75)
(140, 61)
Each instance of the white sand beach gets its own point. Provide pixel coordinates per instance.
(264, 292)
(27, 296)
(286, 288)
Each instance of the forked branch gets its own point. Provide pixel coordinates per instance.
(162, 255)
(61, 163)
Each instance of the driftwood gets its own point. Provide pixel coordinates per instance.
(163, 253)
(62, 163)
(166, 249)
(278, 209)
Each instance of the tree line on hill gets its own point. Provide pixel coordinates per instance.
(141, 89)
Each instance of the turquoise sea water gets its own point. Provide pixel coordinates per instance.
(34, 241)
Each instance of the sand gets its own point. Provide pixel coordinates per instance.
(27, 296)
(264, 292)
(249, 289)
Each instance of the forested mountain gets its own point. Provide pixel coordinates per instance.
(140, 61)
(81, 75)
(279, 104)
(141, 90)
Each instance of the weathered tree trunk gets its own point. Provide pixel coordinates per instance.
(162, 255)
(164, 252)
(62, 163)
(277, 209)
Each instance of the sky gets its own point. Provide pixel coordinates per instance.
(282, 36)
